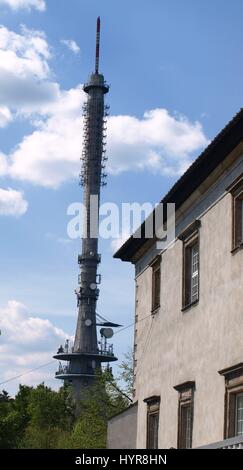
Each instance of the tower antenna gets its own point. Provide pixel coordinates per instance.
(85, 358)
(97, 56)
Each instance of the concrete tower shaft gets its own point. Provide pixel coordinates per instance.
(85, 357)
(92, 177)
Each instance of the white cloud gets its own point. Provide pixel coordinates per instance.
(56, 144)
(3, 164)
(30, 377)
(27, 4)
(158, 142)
(72, 45)
(27, 342)
(24, 54)
(24, 71)
(12, 202)
(5, 116)
(21, 329)
(62, 240)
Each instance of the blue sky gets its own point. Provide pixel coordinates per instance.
(180, 62)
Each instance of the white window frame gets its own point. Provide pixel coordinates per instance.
(194, 272)
(239, 395)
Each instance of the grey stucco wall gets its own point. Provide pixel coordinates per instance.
(122, 430)
(174, 346)
(185, 216)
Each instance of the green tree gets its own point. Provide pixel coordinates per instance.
(9, 422)
(100, 402)
(50, 418)
(21, 404)
(4, 397)
(41, 418)
(10, 426)
(126, 376)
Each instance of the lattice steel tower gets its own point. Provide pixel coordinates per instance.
(85, 357)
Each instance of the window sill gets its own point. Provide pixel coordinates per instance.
(188, 306)
(237, 248)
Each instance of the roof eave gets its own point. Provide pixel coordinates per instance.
(219, 149)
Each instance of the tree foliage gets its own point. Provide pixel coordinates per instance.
(41, 418)
(100, 402)
(126, 376)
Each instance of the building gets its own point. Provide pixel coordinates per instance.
(188, 342)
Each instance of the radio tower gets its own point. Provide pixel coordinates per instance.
(86, 356)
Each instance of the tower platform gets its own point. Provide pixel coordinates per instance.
(101, 356)
(66, 375)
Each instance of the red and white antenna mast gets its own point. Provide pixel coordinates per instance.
(97, 57)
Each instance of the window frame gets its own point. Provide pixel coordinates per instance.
(194, 273)
(236, 191)
(238, 395)
(233, 387)
(153, 411)
(190, 237)
(185, 401)
(156, 296)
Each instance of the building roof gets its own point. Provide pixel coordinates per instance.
(210, 158)
(135, 403)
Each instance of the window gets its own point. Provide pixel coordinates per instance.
(153, 427)
(194, 281)
(237, 230)
(238, 221)
(185, 414)
(156, 279)
(236, 190)
(186, 426)
(190, 240)
(153, 405)
(191, 271)
(233, 421)
(239, 415)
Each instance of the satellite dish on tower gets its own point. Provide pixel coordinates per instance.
(107, 332)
